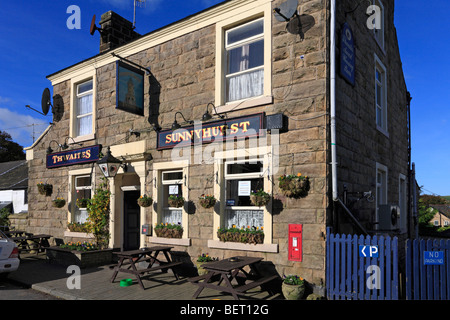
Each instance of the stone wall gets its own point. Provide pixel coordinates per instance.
(360, 145)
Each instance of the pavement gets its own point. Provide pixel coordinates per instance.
(95, 284)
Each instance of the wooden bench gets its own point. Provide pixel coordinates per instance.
(256, 283)
(162, 266)
(197, 278)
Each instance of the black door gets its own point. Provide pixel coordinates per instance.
(132, 220)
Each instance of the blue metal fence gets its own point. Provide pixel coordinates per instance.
(361, 268)
(427, 278)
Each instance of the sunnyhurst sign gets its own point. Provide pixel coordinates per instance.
(241, 127)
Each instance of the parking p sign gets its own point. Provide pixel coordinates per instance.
(368, 251)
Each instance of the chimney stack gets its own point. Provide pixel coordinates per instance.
(116, 31)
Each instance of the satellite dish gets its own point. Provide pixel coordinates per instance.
(46, 102)
(300, 24)
(94, 27)
(286, 10)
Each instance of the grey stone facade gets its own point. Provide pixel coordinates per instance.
(183, 71)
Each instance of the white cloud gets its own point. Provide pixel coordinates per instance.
(21, 127)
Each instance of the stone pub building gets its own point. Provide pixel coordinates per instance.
(300, 95)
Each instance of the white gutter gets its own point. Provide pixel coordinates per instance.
(333, 100)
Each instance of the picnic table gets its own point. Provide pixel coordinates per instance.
(133, 257)
(17, 233)
(32, 242)
(229, 269)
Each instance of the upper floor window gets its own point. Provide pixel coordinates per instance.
(84, 108)
(244, 46)
(380, 96)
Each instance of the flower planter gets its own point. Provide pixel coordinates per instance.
(58, 203)
(259, 201)
(242, 237)
(200, 269)
(207, 202)
(145, 202)
(294, 187)
(176, 203)
(82, 203)
(45, 189)
(169, 233)
(83, 259)
(293, 291)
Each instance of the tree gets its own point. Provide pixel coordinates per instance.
(10, 150)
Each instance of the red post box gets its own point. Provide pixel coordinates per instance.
(295, 242)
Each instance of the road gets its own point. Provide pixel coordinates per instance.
(13, 291)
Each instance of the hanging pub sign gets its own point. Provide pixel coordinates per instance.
(129, 88)
(347, 54)
(71, 157)
(241, 127)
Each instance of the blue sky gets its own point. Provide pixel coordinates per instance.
(35, 42)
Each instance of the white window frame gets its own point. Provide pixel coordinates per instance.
(76, 188)
(382, 120)
(171, 182)
(234, 19)
(264, 154)
(381, 189)
(72, 190)
(240, 44)
(158, 169)
(73, 129)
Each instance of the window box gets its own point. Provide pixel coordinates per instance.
(249, 235)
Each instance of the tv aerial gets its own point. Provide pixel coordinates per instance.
(296, 24)
(94, 27)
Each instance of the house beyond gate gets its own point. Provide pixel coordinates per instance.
(224, 103)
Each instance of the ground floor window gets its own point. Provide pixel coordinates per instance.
(82, 192)
(172, 181)
(241, 179)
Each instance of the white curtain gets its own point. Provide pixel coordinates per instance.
(84, 112)
(171, 216)
(249, 84)
(245, 218)
(81, 216)
(246, 85)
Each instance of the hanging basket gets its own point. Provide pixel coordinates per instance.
(45, 189)
(207, 202)
(294, 187)
(145, 201)
(59, 202)
(177, 202)
(259, 198)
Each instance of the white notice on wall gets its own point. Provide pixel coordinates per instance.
(244, 188)
(173, 189)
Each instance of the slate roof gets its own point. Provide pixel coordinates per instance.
(442, 208)
(14, 175)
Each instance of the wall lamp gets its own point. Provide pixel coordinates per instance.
(207, 116)
(176, 125)
(49, 149)
(66, 146)
(109, 165)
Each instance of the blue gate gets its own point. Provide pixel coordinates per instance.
(361, 268)
(427, 269)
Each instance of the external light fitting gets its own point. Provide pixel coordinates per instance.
(66, 146)
(207, 116)
(176, 125)
(109, 165)
(49, 149)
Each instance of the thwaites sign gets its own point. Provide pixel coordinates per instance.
(72, 157)
(241, 127)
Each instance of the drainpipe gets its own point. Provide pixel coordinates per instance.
(333, 100)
